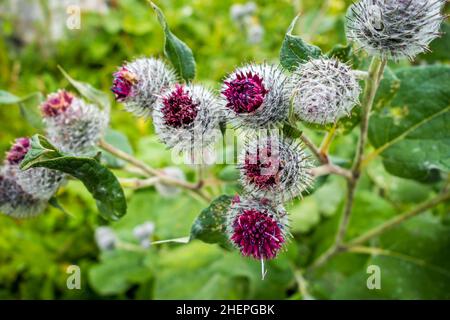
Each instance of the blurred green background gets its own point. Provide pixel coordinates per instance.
(34, 254)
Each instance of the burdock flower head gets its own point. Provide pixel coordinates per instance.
(186, 117)
(274, 167)
(394, 28)
(14, 201)
(257, 228)
(138, 84)
(256, 96)
(73, 125)
(40, 183)
(18, 151)
(324, 90)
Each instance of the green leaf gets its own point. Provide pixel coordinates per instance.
(291, 131)
(295, 50)
(100, 182)
(28, 106)
(414, 261)
(121, 142)
(55, 204)
(178, 53)
(341, 52)
(229, 174)
(118, 271)
(411, 131)
(210, 225)
(89, 92)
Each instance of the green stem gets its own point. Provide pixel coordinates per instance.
(375, 73)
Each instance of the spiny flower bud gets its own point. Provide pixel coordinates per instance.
(186, 117)
(14, 201)
(105, 238)
(139, 83)
(274, 167)
(394, 28)
(41, 183)
(18, 151)
(256, 96)
(324, 90)
(256, 228)
(73, 125)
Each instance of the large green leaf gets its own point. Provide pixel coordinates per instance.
(118, 271)
(101, 183)
(28, 106)
(411, 132)
(295, 50)
(178, 53)
(210, 225)
(414, 262)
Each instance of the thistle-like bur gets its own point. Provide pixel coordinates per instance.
(324, 90)
(256, 96)
(15, 202)
(257, 228)
(73, 125)
(394, 29)
(274, 167)
(41, 183)
(138, 84)
(186, 117)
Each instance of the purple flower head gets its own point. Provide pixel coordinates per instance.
(179, 110)
(123, 83)
(18, 151)
(245, 93)
(56, 103)
(257, 234)
(263, 167)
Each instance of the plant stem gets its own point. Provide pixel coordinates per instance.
(331, 168)
(335, 249)
(375, 73)
(372, 83)
(135, 183)
(195, 187)
(315, 150)
(325, 145)
(376, 70)
(399, 219)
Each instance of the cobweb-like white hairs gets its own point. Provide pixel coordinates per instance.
(261, 88)
(394, 29)
(324, 90)
(274, 167)
(202, 115)
(150, 78)
(77, 129)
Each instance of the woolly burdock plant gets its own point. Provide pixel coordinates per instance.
(72, 125)
(257, 228)
(324, 90)
(186, 117)
(394, 29)
(274, 167)
(40, 183)
(138, 84)
(256, 96)
(14, 201)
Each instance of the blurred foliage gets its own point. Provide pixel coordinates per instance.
(34, 254)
